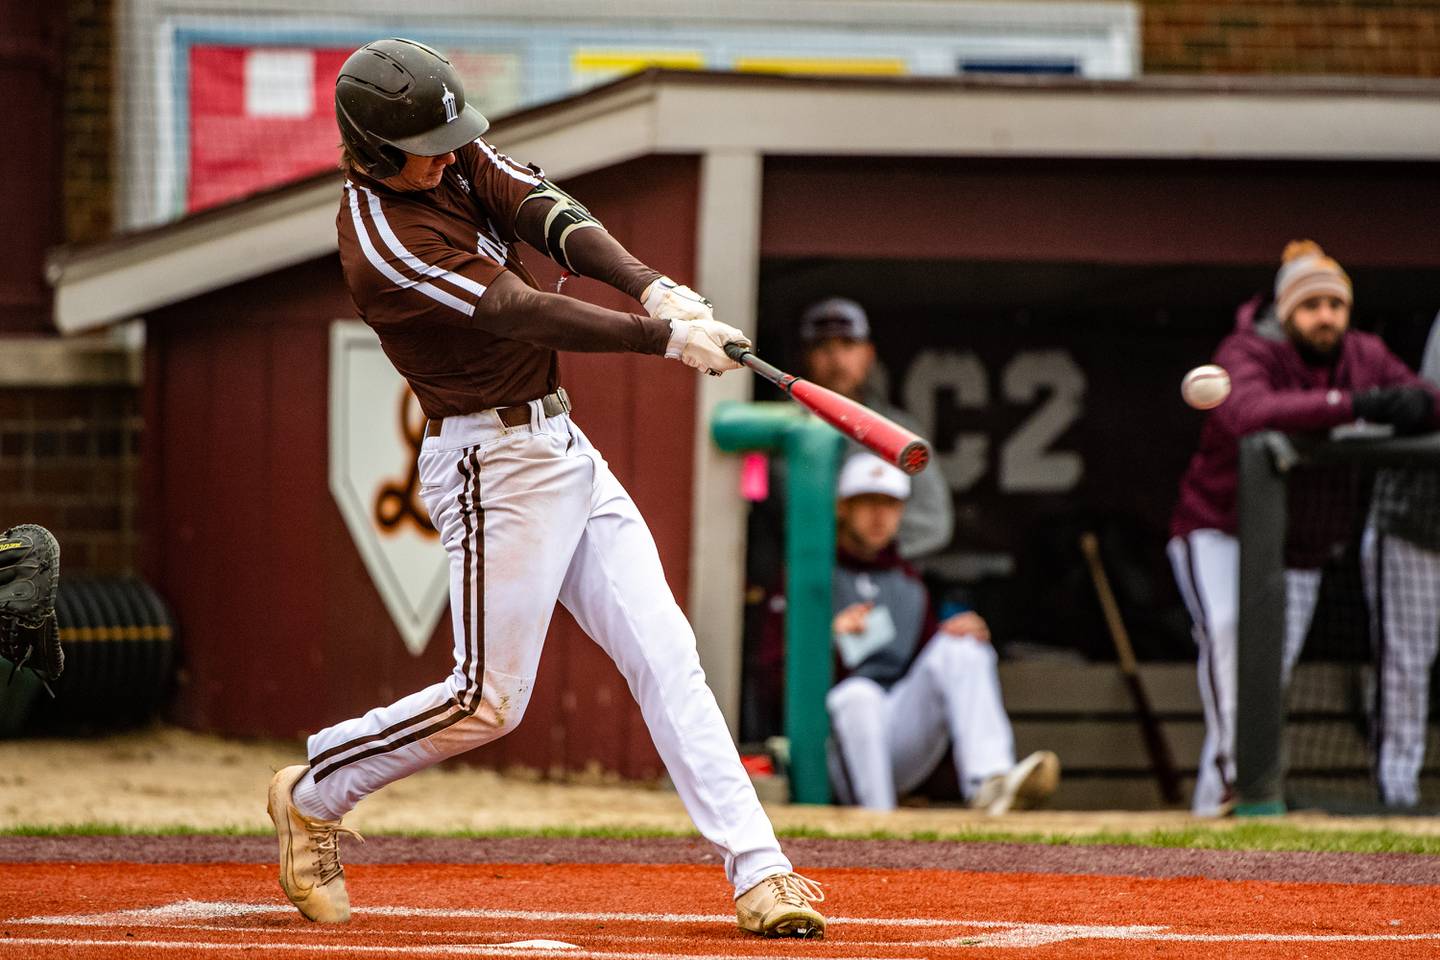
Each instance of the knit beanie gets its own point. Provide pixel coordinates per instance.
(1306, 272)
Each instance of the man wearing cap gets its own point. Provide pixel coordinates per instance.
(908, 686)
(839, 355)
(1298, 368)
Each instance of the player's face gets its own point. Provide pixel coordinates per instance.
(841, 364)
(421, 173)
(1319, 322)
(868, 523)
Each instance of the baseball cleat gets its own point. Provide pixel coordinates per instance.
(1025, 785)
(779, 906)
(310, 871)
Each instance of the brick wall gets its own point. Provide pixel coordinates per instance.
(69, 460)
(1292, 37)
(87, 160)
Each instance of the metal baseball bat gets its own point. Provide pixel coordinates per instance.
(1156, 746)
(887, 439)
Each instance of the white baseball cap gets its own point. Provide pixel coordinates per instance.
(867, 473)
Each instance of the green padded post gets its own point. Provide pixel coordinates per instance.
(812, 453)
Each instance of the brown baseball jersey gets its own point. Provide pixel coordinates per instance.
(417, 264)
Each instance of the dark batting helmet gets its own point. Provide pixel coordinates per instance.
(396, 96)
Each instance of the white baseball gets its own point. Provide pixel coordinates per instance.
(1205, 387)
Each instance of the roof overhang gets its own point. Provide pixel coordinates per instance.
(676, 112)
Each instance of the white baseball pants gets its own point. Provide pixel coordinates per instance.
(529, 515)
(1207, 570)
(890, 740)
(1402, 585)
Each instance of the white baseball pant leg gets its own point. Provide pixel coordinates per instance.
(528, 513)
(1207, 570)
(1405, 626)
(891, 740)
(616, 590)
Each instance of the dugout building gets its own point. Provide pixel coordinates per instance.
(1042, 258)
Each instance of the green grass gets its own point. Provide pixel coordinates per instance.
(1240, 836)
(121, 830)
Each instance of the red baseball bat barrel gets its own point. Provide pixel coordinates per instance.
(886, 438)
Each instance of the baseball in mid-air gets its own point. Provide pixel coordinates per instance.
(1205, 387)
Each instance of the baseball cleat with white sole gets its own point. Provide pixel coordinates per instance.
(1025, 785)
(779, 906)
(310, 871)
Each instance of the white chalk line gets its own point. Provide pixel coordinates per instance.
(445, 949)
(182, 915)
(183, 910)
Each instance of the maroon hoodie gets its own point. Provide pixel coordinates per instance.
(1273, 387)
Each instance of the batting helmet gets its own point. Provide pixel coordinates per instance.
(396, 96)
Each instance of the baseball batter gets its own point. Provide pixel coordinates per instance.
(1297, 368)
(526, 507)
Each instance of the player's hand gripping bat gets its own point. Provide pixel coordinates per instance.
(887, 439)
(1155, 744)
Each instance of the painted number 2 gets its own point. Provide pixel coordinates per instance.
(1027, 464)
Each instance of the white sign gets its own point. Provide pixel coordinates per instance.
(376, 428)
(1027, 461)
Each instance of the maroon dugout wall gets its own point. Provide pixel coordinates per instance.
(32, 71)
(281, 628)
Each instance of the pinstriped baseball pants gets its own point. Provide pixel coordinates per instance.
(530, 515)
(1402, 585)
(1207, 570)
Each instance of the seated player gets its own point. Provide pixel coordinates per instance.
(909, 687)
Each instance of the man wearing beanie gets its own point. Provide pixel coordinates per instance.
(1296, 368)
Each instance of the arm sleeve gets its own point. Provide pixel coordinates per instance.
(516, 311)
(1255, 405)
(593, 252)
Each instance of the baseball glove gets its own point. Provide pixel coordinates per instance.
(29, 575)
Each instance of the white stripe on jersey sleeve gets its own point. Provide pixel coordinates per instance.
(507, 165)
(389, 272)
(382, 226)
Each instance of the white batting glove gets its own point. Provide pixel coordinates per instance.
(700, 344)
(667, 300)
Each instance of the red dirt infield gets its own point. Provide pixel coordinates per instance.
(631, 911)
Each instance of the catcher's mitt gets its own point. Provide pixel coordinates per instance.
(29, 575)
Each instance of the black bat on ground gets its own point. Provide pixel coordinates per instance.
(1156, 745)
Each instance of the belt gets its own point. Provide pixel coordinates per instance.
(552, 405)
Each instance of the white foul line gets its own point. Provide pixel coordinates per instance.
(180, 915)
(466, 949)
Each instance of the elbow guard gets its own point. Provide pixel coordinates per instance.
(565, 217)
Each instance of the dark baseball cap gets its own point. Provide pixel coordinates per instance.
(834, 317)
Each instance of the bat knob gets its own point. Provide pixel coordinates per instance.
(914, 457)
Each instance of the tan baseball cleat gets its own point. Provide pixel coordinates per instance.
(310, 871)
(779, 906)
(1024, 786)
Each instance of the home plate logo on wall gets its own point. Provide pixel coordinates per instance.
(376, 429)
